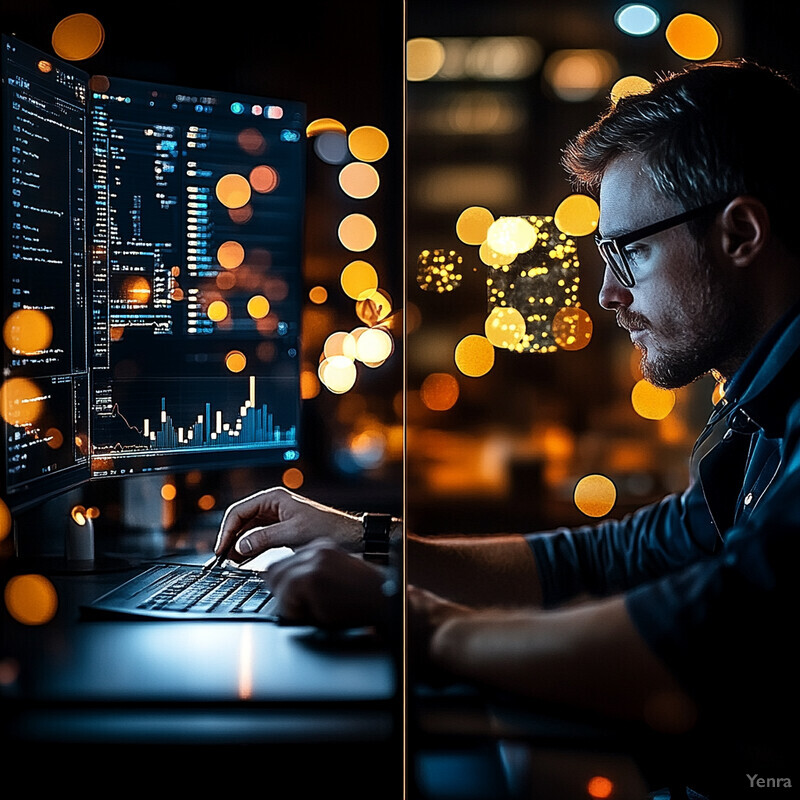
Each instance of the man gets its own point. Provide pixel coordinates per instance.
(680, 615)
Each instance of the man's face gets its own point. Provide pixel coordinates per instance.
(678, 313)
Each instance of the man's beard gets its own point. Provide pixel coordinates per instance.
(700, 337)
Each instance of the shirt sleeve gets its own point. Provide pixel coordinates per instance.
(616, 555)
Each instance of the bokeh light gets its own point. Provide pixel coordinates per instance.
(439, 391)
(233, 190)
(692, 37)
(324, 125)
(5, 520)
(21, 402)
(230, 255)
(599, 787)
(31, 599)
(77, 37)
(595, 495)
(258, 306)
(474, 355)
(357, 232)
(511, 236)
(629, 85)
(637, 19)
(359, 280)
(651, 402)
(572, 328)
(27, 331)
(252, 141)
(359, 180)
(579, 75)
(136, 289)
(439, 270)
(169, 492)
(340, 343)
(318, 294)
(292, 478)
(337, 374)
(368, 143)
(331, 147)
(264, 179)
(473, 224)
(235, 361)
(217, 310)
(374, 346)
(504, 327)
(577, 215)
(424, 58)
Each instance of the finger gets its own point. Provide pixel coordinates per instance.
(258, 509)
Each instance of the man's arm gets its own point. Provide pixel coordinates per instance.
(588, 657)
(479, 571)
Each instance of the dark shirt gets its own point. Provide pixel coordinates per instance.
(708, 575)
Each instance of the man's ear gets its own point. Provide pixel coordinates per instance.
(745, 227)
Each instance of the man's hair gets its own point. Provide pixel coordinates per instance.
(709, 132)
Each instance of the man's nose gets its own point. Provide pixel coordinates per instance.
(613, 294)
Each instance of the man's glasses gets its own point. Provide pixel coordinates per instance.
(613, 249)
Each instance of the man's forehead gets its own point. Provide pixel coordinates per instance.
(628, 196)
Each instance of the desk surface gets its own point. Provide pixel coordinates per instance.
(193, 682)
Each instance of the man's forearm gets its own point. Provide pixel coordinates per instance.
(478, 571)
(589, 657)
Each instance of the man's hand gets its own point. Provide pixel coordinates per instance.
(322, 585)
(279, 518)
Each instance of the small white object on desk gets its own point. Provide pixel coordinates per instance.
(80, 536)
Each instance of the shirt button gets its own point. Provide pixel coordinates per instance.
(748, 499)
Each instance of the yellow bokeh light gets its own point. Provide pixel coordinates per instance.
(474, 355)
(376, 308)
(292, 478)
(577, 75)
(492, 258)
(368, 143)
(357, 232)
(230, 255)
(692, 37)
(217, 310)
(27, 331)
(359, 280)
(5, 520)
(235, 361)
(309, 384)
(337, 374)
(572, 328)
(169, 492)
(374, 345)
(473, 224)
(136, 289)
(629, 85)
(651, 402)
(504, 327)
(21, 403)
(233, 191)
(511, 236)
(324, 125)
(77, 37)
(258, 306)
(577, 215)
(264, 179)
(340, 343)
(439, 391)
(595, 495)
(206, 502)
(424, 58)
(318, 295)
(359, 180)
(31, 599)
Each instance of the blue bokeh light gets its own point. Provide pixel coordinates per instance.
(637, 19)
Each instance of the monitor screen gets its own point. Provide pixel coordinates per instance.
(151, 276)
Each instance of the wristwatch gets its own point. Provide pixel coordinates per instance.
(376, 536)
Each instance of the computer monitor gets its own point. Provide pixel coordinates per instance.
(152, 247)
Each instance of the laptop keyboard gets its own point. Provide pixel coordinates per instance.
(189, 591)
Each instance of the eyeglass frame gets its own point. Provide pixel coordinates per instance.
(611, 245)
